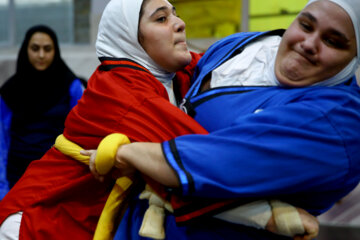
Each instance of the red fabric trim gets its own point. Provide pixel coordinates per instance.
(199, 212)
(123, 62)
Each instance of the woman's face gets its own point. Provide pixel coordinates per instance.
(41, 51)
(317, 45)
(162, 35)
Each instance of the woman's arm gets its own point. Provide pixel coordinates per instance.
(149, 159)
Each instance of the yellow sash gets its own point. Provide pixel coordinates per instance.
(105, 226)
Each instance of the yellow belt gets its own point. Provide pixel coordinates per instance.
(105, 226)
(152, 225)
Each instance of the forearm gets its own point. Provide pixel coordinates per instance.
(148, 158)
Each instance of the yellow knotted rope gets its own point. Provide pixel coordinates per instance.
(152, 225)
(104, 158)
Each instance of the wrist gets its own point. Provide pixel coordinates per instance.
(122, 157)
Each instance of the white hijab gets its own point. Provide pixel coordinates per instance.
(352, 7)
(118, 38)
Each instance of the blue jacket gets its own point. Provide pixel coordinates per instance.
(300, 145)
(75, 92)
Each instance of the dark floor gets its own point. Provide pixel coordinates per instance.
(338, 233)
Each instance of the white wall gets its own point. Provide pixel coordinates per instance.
(97, 7)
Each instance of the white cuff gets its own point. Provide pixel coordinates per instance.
(255, 214)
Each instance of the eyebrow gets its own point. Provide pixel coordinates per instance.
(309, 16)
(164, 8)
(39, 45)
(332, 31)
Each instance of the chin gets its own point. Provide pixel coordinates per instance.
(297, 83)
(41, 68)
(289, 78)
(179, 62)
(185, 59)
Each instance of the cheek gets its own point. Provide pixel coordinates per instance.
(292, 36)
(334, 59)
(156, 45)
(153, 44)
(157, 51)
(31, 57)
(50, 57)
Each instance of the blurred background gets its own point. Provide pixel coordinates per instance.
(76, 23)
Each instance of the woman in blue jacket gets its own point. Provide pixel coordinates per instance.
(34, 103)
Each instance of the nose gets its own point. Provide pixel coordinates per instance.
(41, 53)
(310, 44)
(179, 25)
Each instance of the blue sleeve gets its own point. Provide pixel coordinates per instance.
(76, 91)
(288, 149)
(5, 117)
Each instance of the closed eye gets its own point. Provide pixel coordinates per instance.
(305, 26)
(335, 42)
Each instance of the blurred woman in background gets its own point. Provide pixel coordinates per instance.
(34, 103)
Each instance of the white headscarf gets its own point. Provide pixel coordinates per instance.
(352, 7)
(118, 37)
